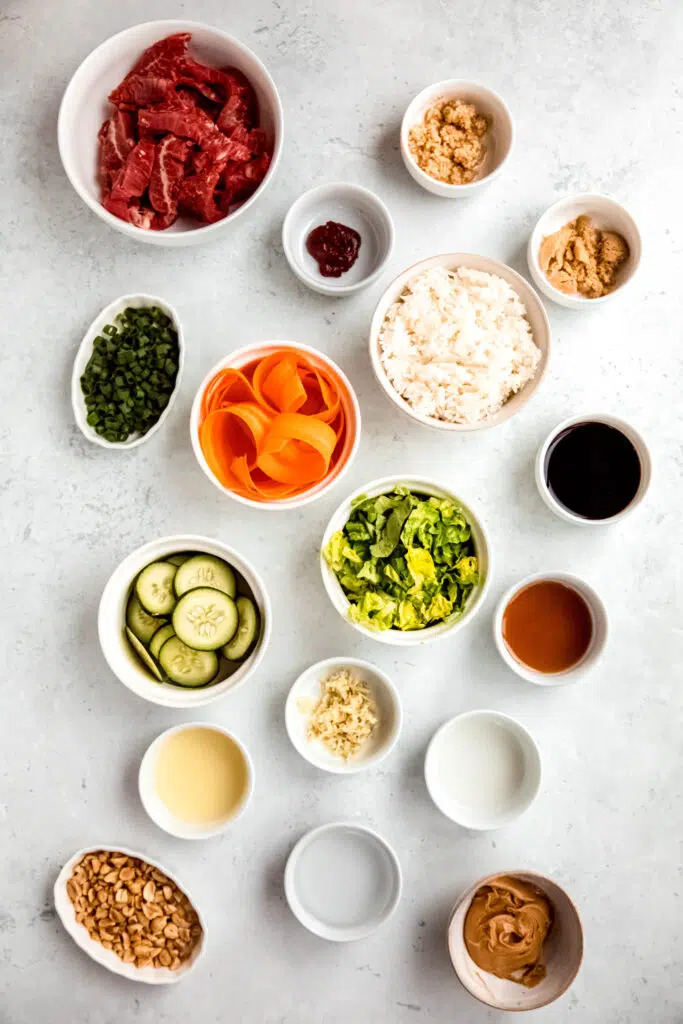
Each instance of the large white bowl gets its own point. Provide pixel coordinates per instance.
(242, 357)
(111, 622)
(537, 316)
(107, 316)
(85, 106)
(107, 957)
(414, 637)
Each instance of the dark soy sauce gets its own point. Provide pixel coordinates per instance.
(593, 470)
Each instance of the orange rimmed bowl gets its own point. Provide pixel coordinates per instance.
(243, 357)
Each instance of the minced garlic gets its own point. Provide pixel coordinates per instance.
(345, 715)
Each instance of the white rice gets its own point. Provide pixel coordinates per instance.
(457, 344)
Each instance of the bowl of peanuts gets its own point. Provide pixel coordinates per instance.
(130, 915)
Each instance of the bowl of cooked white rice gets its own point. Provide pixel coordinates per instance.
(460, 342)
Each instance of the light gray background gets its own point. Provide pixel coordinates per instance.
(595, 90)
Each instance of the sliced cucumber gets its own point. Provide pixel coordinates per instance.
(179, 559)
(186, 667)
(154, 587)
(247, 630)
(163, 634)
(140, 622)
(143, 655)
(205, 619)
(205, 571)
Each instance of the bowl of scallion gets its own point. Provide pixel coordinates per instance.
(127, 371)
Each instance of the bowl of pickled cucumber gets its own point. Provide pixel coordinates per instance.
(184, 620)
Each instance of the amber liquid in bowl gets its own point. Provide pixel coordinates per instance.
(548, 627)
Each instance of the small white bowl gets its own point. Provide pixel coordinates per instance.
(85, 106)
(598, 640)
(111, 622)
(107, 957)
(628, 431)
(107, 316)
(305, 693)
(410, 638)
(242, 357)
(353, 206)
(605, 213)
(329, 892)
(563, 951)
(157, 809)
(536, 314)
(499, 138)
(473, 757)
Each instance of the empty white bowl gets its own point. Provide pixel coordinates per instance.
(595, 648)
(342, 881)
(157, 809)
(242, 357)
(483, 769)
(628, 431)
(355, 207)
(414, 637)
(498, 139)
(111, 621)
(85, 106)
(562, 952)
(106, 957)
(107, 316)
(606, 213)
(536, 314)
(306, 692)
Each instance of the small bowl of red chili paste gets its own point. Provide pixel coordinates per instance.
(338, 238)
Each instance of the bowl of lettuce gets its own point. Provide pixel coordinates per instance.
(405, 561)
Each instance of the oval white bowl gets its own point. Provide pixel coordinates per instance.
(470, 816)
(157, 809)
(242, 357)
(500, 141)
(410, 638)
(628, 431)
(112, 615)
(107, 316)
(536, 314)
(381, 742)
(85, 106)
(606, 213)
(563, 953)
(598, 640)
(107, 957)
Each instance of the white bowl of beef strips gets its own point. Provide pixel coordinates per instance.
(86, 107)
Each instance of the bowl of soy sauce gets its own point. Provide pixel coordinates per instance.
(593, 470)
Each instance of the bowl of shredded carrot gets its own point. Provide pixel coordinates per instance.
(276, 424)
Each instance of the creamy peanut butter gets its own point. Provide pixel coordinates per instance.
(505, 928)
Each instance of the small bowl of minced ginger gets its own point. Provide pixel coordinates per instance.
(343, 715)
(584, 250)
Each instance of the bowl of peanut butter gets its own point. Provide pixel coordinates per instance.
(515, 940)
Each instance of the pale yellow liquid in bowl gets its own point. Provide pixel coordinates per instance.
(201, 776)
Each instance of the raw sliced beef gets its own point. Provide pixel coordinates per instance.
(116, 139)
(197, 195)
(167, 174)
(140, 90)
(133, 178)
(191, 124)
(162, 58)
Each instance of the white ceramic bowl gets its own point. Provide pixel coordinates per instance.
(329, 892)
(538, 319)
(353, 206)
(107, 316)
(106, 957)
(479, 812)
(242, 357)
(606, 213)
(598, 640)
(498, 139)
(418, 636)
(628, 431)
(112, 615)
(157, 809)
(85, 106)
(305, 693)
(563, 951)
